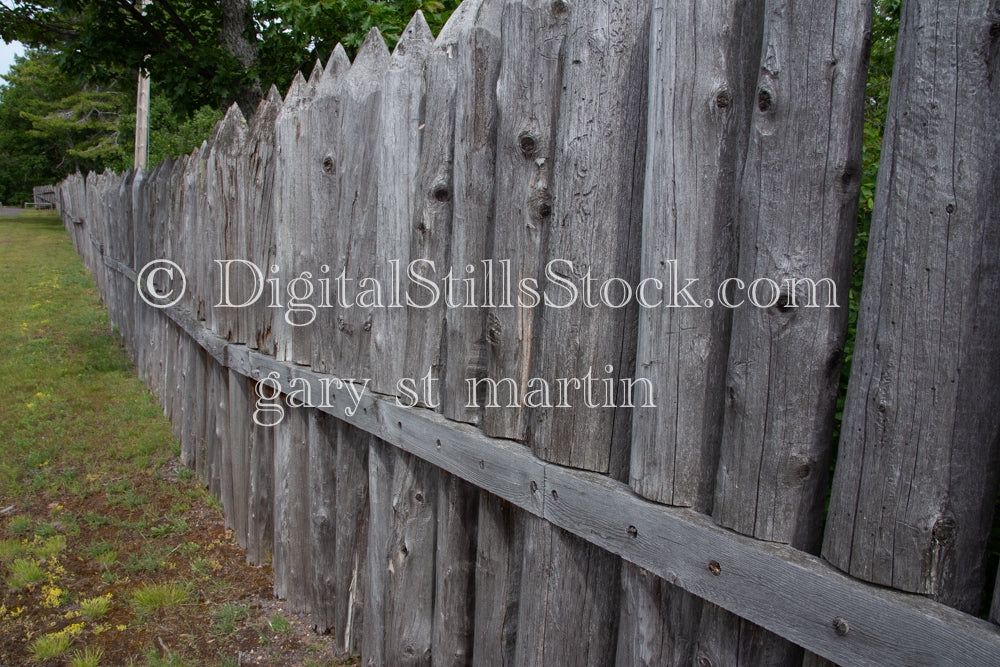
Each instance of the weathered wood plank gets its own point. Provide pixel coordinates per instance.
(472, 38)
(352, 521)
(528, 106)
(292, 558)
(698, 129)
(703, 63)
(260, 517)
(594, 229)
(258, 172)
(568, 602)
(238, 450)
(455, 575)
(354, 235)
(499, 559)
(322, 516)
(405, 138)
(409, 591)
(381, 460)
(797, 209)
(659, 622)
(326, 159)
(917, 473)
(293, 223)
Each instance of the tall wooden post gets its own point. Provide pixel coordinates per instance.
(142, 113)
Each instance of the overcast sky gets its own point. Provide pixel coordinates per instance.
(7, 53)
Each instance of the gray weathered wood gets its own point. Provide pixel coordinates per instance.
(595, 224)
(528, 105)
(499, 559)
(381, 459)
(293, 222)
(796, 220)
(455, 571)
(472, 38)
(349, 340)
(569, 590)
(404, 133)
(917, 474)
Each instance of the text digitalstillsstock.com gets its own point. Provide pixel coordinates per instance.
(490, 285)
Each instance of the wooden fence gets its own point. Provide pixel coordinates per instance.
(639, 140)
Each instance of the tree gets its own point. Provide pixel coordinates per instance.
(51, 126)
(204, 52)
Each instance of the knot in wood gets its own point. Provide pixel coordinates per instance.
(841, 627)
(944, 529)
(715, 568)
(528, 144)
(632, 531)
(723, 99)
(950, 208)
(328, 165)
(555, 495)
(703, 661)
(764, 100)
(560, 6)
(441, 193)
(533, 486)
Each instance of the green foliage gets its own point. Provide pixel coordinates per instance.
(297, 32)
(50, 126)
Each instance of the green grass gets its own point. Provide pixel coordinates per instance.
(71, 396)
(95, 607)
(151, 598)
(279, 624)
(25, 572)
(226, 619)
(51, 646)
(89, 657)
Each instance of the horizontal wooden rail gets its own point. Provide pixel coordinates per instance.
(791, 593)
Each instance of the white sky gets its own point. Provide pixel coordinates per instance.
(7, 53)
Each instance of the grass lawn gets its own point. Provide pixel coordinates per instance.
(110, 552)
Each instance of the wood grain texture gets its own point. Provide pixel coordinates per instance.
(354, 240)
(703, 63)
(293, 221)
(797, 210)
(455, 571)
(594, 228)
(400, 156)
(499, 559)
(527, 101)
(917, 474)
(471, 39)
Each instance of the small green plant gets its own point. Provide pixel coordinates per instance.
(10, 549)
(45, 530)
(95, 607)
(150, 560)
(201, 566)
(95, 549)
(52, 546)
(155, 597)
(25, 572)
(185, 474)
(51, 646)
(226, 619)
(89, 657)
(107, 559)
(20, 525)
(188, 548)
(279, 624)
